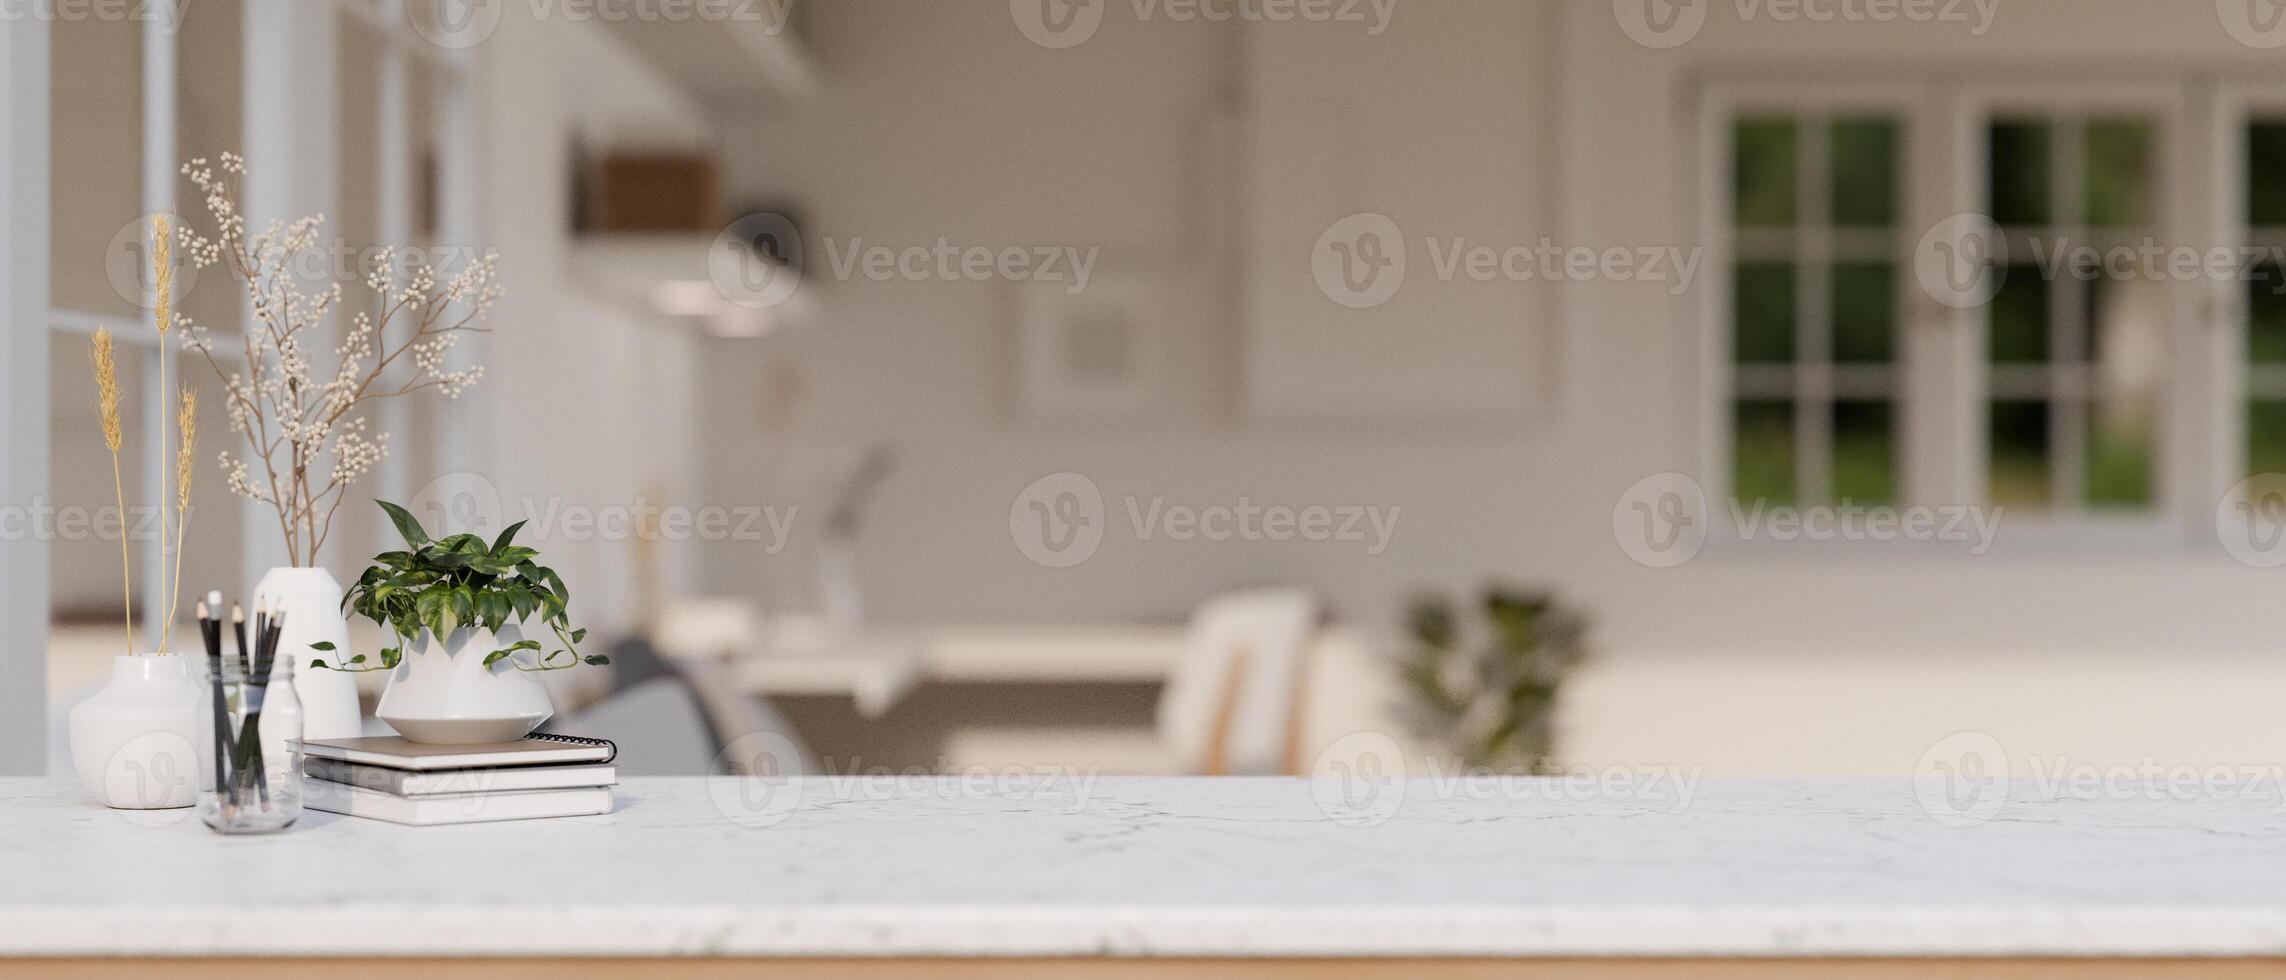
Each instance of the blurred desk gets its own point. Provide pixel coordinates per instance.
(876, 668)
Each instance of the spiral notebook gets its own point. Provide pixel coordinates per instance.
(394, 752)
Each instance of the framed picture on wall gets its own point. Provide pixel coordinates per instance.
(1098, 352)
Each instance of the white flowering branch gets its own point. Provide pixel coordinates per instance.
(295, 420)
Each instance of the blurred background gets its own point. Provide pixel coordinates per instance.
(1167, 386)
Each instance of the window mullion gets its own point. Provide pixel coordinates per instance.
(1813, 324)
(1940, 348)
(2068, 317)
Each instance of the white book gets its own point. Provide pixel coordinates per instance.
(431, 811)
(536, 749)
(400, 782)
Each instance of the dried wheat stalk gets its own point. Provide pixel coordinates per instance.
(107, 399)
(186, 445)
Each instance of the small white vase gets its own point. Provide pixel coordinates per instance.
(443, 693)
(312, 602)
(138, 741)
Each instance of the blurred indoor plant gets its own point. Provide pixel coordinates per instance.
(305, 427)
(1491, 695)
(460, 671)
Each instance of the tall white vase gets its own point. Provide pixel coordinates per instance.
(312, 601)
(137, 742)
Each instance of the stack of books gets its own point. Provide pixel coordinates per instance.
(540, 775)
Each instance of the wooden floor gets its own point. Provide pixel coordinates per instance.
(1167, 969)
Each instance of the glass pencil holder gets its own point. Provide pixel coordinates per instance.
(251, 773)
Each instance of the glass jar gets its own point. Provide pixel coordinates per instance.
(251, 772)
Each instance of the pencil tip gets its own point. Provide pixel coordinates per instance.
(203, 612)
(237, 614)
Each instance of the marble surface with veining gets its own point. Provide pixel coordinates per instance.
(996, 866)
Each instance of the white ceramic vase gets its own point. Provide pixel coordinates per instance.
(137, 742)
(312, 601)
(443, 693)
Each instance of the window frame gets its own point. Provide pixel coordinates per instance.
(279, 38)
(1941, 354)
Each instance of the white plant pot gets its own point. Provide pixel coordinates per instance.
(444, 694)
(312, 602)
(137, 742)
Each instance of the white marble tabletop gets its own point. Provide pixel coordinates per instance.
(1176, 867)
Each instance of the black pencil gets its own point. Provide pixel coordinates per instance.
(210, 630)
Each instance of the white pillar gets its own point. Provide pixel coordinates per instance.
(292, 143)
(159, 173)
(23, 392)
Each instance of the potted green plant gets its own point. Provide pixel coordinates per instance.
(459, 608)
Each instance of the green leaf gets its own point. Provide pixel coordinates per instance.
(325, 645)
(495, 657)
(320, 665)
(360, 658)
(407, 524)
(598, 660)
(501, 543)
(579, 635)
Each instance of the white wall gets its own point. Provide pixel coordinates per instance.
(583, 404)
(1491, 120)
